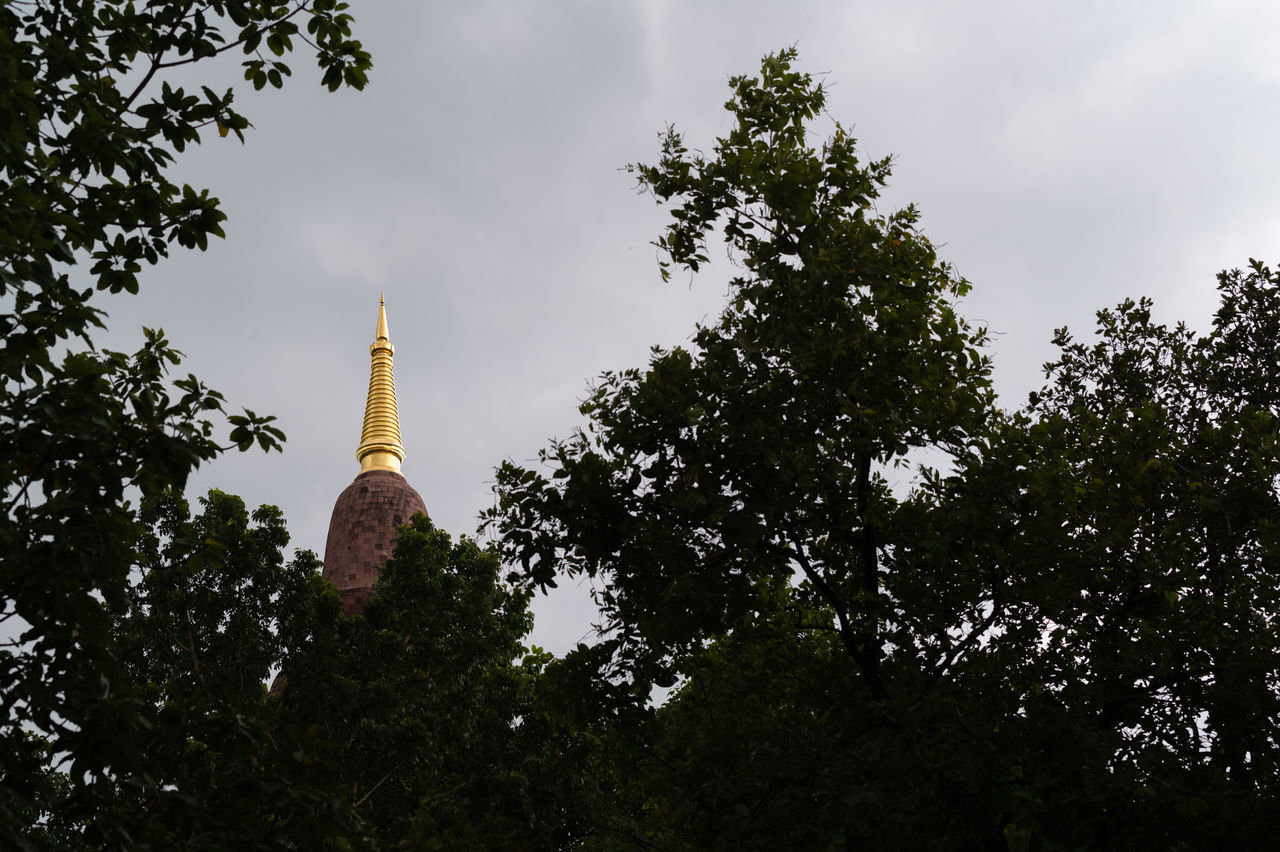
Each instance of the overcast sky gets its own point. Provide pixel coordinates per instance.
(1064, 155)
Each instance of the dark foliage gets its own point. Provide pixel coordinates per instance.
(1063, 637)
(89, 127)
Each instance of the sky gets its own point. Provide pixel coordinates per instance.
(1063, 156)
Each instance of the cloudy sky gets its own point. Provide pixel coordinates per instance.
(1065, 155)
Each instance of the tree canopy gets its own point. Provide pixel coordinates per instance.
(219, 762)
(429, 699)
(411, 725)
(1061, 635)
(91, 123)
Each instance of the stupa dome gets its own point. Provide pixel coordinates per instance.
(362, 532)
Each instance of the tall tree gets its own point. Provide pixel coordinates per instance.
(1063, 637)
(90, 124)
(702, 482)
(738, 489)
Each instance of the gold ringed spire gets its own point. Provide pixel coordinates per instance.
(380, 447)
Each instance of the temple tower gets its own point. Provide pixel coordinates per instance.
(368, 513)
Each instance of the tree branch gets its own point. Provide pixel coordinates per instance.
(865, 664)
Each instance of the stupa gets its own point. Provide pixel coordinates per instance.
(369, 512)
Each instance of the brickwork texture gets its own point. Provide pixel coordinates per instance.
(362, 532)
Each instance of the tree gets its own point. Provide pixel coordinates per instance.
(1121, 532)
(90, 124)
(1061, 637)
(757, 456)
(429, 700)
(219, 764)
(744, 480)
(416, 724)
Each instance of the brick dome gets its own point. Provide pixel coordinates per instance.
(362, 532)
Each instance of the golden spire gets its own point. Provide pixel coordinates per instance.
(380, 447)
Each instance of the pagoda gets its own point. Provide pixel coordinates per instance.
(369, 512)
